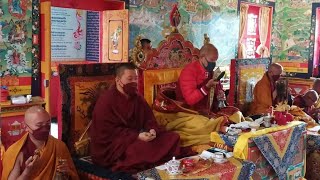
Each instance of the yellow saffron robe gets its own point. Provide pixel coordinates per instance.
(194, 129)
(46, 165)
(262, 96)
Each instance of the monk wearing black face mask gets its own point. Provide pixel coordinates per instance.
(34, 156)
(124, 133)
(195, 80)
(265, 90)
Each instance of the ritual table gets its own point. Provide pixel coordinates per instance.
(232, 169)
(278, 152)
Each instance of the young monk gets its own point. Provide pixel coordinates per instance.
(35, 156)
(124, 133)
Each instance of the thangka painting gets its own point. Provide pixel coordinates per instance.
(245, 73)
(291, 36)
(218, 19)
(18, 44)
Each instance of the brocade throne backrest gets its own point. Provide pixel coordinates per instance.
(161, 66)
(173, 52)
(80, 87)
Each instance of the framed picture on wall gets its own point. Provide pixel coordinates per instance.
(115, 35)
(245, 73)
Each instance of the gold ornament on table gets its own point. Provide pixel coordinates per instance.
(282, 107)
(137, 55)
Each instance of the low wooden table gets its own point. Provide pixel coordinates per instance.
(11, 120)
(232, 169)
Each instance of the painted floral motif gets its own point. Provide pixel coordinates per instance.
(78, 34)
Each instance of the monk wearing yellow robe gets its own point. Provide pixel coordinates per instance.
(36, 155)
(265, 90)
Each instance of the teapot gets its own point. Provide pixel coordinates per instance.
(173, 167)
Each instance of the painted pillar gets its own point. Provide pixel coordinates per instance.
(45, 19)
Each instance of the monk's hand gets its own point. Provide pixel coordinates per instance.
(30, 164)
(64, 168)
(153, 132)
(211, 83)
(146, 136)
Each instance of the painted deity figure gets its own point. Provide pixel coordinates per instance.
(115, 40)
(15, 57)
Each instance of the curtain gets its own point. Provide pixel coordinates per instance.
(243, 23)
(264, 17)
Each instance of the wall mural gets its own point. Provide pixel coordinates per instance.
(291, 34)
(216, 18)
(16, 52)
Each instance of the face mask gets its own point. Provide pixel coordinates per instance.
(210, 66)
(276, 77)
(131, 88)
(42, 133)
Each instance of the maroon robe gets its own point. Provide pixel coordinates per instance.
(116, 124)
(28, 150)
(299, 101)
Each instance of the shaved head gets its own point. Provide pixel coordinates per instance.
(310, 97)
(276, 68)
(274, 72)
(210, 52)
(36, 116)
(316, 85)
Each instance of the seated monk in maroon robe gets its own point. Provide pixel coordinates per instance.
(124, 133)
(307, 101)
